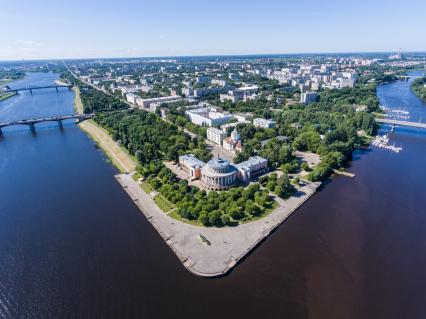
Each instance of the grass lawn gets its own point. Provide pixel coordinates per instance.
(176, 216)
(266, 213)
(147, 188)
(163, 203)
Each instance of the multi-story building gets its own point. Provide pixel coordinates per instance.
(308, 97)
(192, 165)
(215, 135)
(258, 122)
(233, 142)
(219, 174)
(219, 82)
(154, 102)
(241, 94)
(208, 116)
(131, 98)
(253, 166)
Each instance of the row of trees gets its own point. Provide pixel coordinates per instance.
(281, 186)
(92, 99)
(419, 88)
(149, 138)
(213, 209)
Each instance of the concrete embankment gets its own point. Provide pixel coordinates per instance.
(209, 251)
(204, 251)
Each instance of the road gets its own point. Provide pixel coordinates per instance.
(401, 123)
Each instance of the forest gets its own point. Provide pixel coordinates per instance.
(147, 137)
(419, 88)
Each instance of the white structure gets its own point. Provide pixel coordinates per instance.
(264, 123)
(157, 101)
(218, 174)
(308, 97)
(215, 135)
(131, 98)
(233, 143)
(254, 165)
(219, 82)
(208, 116)
(191, 165)
(241, 94)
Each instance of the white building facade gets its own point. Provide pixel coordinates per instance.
(215, 135)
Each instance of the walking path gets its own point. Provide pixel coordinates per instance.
(209, 251)
(204, 251)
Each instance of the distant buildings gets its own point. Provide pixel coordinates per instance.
(208, 116)
(308, 97)
(258, 122)
(154, 102)
(240, 94)
(219, 82)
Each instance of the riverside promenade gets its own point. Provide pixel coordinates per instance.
(226, 246)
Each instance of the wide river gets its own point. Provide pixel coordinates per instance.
(72, 244)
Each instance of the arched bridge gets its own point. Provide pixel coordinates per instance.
(31, 122)
(31, 88)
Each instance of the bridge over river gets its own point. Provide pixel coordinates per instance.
(31, 88)
(31, 122)
(401, 123)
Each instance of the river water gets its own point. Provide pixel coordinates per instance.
(72, 244)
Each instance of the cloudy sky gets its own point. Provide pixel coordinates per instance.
(129, 28)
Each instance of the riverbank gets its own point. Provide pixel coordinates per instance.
(7, 95)
(204, 251)
(226, 246)
(78, 105)
(211, 251)
(59, 82)
(419, 88)
(112, 150)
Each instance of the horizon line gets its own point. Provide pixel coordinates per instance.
(212, 55)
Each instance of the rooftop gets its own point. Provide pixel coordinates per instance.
(192, 161)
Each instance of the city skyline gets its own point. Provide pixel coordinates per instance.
(190, 28)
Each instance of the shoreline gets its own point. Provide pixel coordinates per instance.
(111, 149)
(212, 251)
(203, 251)
(7, 96)
(119, 158)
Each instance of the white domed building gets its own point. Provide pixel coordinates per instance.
(218, 174)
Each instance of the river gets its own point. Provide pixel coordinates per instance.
(73, 245)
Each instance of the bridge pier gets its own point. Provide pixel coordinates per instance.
(60, 124)
(32, 127)
(1, 132)
(56, 89)
(31, 91)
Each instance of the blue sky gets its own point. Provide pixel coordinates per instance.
(93, 28)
